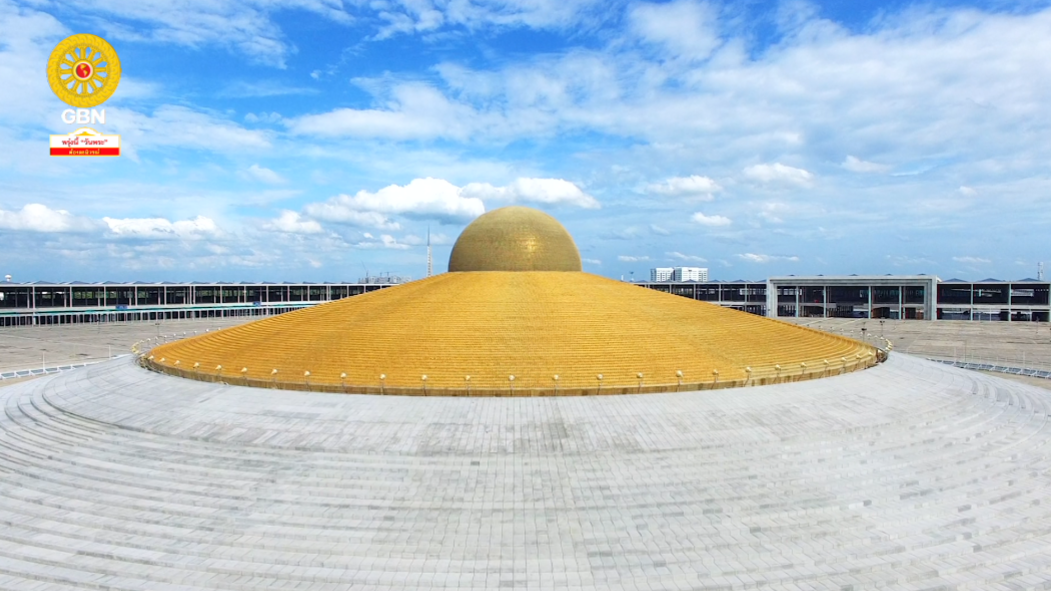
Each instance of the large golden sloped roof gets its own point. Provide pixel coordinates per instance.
(515, 316)
(492, 325)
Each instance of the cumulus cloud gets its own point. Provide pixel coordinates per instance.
(161, 228)
(35, 217)
(854, 164)
(778, 173)
(972, 260)
(547, 191)
(766, 258)
(711, 220)
(442, 200)
(420, 198)
(696, 187)
(632, 259)
(265, 175)
(686, 257)
(293, 223)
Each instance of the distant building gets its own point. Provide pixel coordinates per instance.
(689, 274)
(661, 274)
(679, 274)
(920, 297)
(384, 279)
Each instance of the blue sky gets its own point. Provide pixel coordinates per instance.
(310, 139)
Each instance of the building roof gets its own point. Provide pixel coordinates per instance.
(507, 327)
(491, 325)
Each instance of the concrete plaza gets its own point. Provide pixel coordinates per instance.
(909, 475)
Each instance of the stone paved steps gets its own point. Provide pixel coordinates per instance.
(847, 481)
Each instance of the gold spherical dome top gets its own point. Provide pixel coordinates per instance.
(515, 238)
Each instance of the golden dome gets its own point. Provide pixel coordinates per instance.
(469, 332)
(515, 239)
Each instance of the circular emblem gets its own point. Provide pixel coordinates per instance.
(83, 71)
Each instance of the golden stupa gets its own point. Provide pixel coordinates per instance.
(514, 316)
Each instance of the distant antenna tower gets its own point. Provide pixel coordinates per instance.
(430, 261)
(1040, 271)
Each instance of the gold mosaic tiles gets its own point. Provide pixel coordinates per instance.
(515, 239)
(469, 332)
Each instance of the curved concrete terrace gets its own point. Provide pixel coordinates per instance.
(911, 475)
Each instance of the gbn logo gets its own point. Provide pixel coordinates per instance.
(84, 116)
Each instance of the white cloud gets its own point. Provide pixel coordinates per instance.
(28, 38)
(35, 217)
(766, 258)
(263, 88)
(442, 200)
(632, 259)
(773, 211)
(697, 187)
(427, 197)
(591, 261)
(175, 126)
(711, 220)
(413, 111)
(683, 28)
(629, 233)
(422, 16)
(437, 239)
(292, 223)
(261, 173)
(779, 173)
(384, 241)
(244, 27)
(967, 191)
(547, 191)
(900, 83)
(336, 211)
(854, 164)
(659, 230)
(161, 228)
(686, 257)
(972, 260)
(263, 117)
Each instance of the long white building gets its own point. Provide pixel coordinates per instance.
(910, 297)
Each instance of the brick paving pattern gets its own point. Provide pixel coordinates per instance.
(909, 475)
